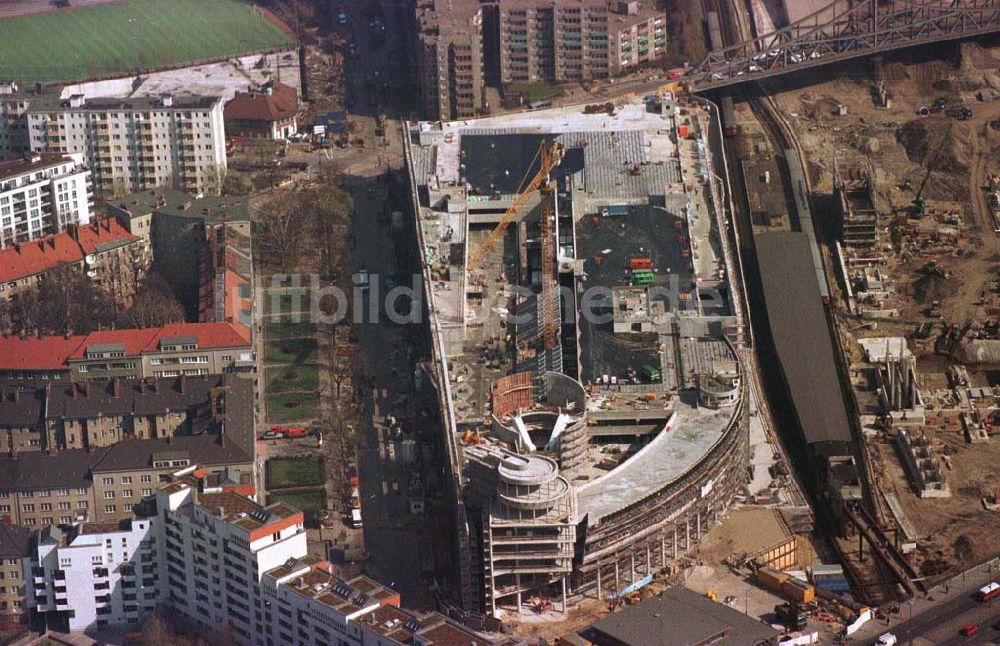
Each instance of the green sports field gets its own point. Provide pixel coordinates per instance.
(119, 38)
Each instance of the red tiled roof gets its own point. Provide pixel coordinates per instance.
(210, 335)
(30, 258)
(53, 352)
(135, 341)
(105, 232)
(282, 103)
(32, 353)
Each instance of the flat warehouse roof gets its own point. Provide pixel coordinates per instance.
(801, 335)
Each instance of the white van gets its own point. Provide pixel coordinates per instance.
(888, 639)
(356, 521)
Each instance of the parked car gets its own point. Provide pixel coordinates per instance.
(969, 630)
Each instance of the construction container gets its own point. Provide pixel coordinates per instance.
(640, 263)
(798, 591)
(771, 578)
(682, 132)
(642, 277)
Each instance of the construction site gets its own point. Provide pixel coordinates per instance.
(900, 157)
(587, 346)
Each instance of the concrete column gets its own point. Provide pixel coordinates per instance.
(687, 534)
(617, 585)
(649, 564)
(631, 574)
(564, 595)
(663, 551)
(600, 593)
(675, 542)
(517, 582)
(698, 534)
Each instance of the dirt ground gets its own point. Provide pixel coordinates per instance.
(957, 530)
(948, 259)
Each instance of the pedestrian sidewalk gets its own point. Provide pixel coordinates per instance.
(964, 583)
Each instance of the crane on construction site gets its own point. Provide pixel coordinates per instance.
(550, 157)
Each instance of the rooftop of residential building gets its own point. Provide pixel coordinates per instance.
(50, 100)
(32, 163)
(169, 201)
(53, 353)
(275, 101)
(25, 259)
(15, 541)
(39, 470)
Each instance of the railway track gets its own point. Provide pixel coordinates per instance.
(884, 579)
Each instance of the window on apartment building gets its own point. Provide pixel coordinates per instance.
(126, 479)
(4, 509)
(46, 506)
(81, 490)
(30, 522)
(126, 493)
(127, 507)
(108, 481)
(27, 494)
(4, 495)
(64, 506)
(47, 520)
(109, 509)
(108, 495)
(64, 492)
(65, 520)
(82, 504)
(27, 507)
(147, 492)
(145, 478)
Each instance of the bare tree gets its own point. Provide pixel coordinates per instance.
(281, 230)
(154, 305)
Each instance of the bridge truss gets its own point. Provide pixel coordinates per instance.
(843, 30)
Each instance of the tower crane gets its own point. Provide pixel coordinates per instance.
(550, 158)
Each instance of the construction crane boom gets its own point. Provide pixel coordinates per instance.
(550, 158)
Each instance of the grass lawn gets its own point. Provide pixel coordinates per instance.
(296, 351)
(275, 329)
(537, 91)
(114, 39)
(308, 502)
(283, 379)
(287, 301)
(288, 472)
(291, 407)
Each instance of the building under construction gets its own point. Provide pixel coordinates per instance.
(586, 344)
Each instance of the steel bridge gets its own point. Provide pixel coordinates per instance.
(843, 30)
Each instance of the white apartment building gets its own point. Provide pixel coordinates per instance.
(129, 144)
(43, 194)
(96, 574)
(219, 559)
(216, 548)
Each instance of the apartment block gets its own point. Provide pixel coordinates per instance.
(94, 414)
(556, 42)
(218, 558)
(175, 349)
(203, 244)
(103, 250)
(94, 574)
(128, 144)
(15, 544)
(43, 194)
(217, 547)
(450, 58)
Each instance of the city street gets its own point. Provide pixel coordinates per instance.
(391, 532)
(938, 617)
